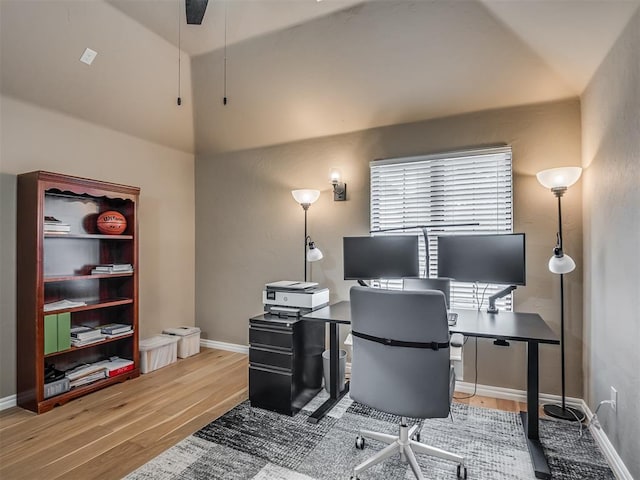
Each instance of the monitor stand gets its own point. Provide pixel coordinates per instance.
(362, 283)
(492, 299)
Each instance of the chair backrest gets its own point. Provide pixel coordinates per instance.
(442, 284)
(402, 380)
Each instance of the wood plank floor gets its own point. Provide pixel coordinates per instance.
(112, 432)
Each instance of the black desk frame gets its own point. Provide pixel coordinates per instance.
(523, 327)
(334, 315)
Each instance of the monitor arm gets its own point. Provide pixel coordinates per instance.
(492, 299)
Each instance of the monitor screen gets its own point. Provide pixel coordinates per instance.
(483, 258)
(387, 256)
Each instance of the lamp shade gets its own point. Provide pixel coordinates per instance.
(314, 254)
(559, 177)
(305, 196)
(562, 263)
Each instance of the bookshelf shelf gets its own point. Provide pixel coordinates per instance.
(42, 260)
(57, 400)
(87, 236)
(101, 342)
(68, 278)
(94, 305)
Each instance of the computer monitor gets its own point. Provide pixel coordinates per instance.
(495, 258)
(384, 256)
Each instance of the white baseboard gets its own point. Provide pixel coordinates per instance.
(515, 395)
(230, 347)
(7, 402)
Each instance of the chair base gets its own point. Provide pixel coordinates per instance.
(403, 444)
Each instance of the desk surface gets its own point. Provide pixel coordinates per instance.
(526, 327)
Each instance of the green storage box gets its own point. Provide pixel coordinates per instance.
(64, 331)
(50, 334)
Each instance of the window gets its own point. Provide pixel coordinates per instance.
(464, 187)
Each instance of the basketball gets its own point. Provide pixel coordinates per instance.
(111, 223)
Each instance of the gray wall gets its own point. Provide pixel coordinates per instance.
(249, 230)
(611, 195)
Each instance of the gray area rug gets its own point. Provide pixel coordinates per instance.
(251, 443)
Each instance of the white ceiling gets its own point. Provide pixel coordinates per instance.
(299, 69)
(245, 19)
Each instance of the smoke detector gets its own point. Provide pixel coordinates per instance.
(88, 56)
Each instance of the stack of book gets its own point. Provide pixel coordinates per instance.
(111, 268)
(112, 330)
(62, 304)
(116, 366)
(81, 336)
(53, 225)
(84, 374)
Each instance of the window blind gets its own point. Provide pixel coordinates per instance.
(463, 187)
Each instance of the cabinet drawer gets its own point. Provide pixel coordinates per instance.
(273, 337)
(271, 389)
(266, 356)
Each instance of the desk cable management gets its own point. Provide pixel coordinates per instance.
(476, 289)
(475, 381)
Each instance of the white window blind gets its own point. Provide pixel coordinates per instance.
(465, 187)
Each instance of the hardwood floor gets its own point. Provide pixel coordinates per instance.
(113, 431)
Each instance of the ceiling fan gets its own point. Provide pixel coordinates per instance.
(195, 11)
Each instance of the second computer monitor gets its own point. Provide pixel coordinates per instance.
(498, 258)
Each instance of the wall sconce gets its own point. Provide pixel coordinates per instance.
(339, 187)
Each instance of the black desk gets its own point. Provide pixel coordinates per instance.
(522, 327)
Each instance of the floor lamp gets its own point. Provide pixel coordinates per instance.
(305, 197)
(558, 180)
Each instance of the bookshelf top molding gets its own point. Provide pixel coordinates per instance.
(83, 186)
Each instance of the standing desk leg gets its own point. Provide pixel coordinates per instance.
(334, 378)
(530, 417)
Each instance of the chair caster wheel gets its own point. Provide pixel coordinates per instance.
(352, 477)
(359, 446)
(416, 437)
(462, 472)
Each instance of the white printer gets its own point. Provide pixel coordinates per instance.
(288, 298)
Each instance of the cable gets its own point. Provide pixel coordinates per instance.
(483, 292)
(179, 101)
(224, 98)
(475, 381)
(593, 421)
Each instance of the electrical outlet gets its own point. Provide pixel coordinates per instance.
(614, 399)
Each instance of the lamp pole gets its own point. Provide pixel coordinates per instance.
(553, 410)
(305, 207)
(558, 193)
(305, 197)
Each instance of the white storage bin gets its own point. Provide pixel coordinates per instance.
(189, 340)
(157, 352)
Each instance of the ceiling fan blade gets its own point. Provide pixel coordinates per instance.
(195, 11)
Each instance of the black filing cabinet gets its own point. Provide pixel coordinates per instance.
(285, 362)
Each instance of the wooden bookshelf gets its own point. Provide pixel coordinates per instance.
(57, 266)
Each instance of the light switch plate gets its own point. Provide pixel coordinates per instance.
(88, 56)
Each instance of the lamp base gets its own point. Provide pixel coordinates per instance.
(566, 413)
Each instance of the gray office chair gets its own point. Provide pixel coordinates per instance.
(399, 336)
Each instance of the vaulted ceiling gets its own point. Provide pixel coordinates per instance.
(297, 69)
